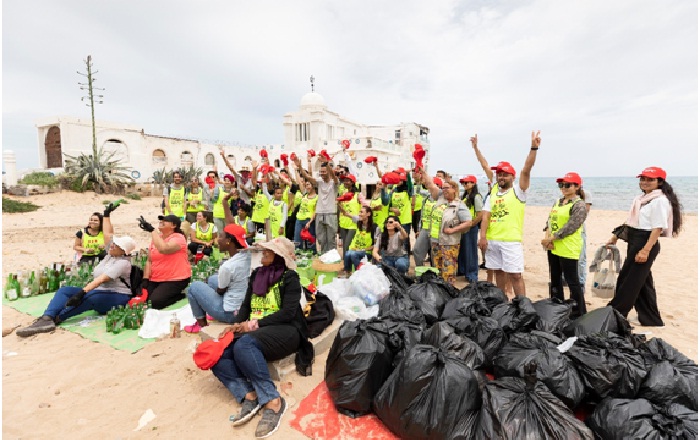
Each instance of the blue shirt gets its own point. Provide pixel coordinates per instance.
(233, 276)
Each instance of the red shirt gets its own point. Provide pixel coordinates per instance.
(170, 267)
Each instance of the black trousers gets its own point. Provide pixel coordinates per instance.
(635, 285)
(569, 268)
(194, 246)
(415, 221)
(165, 293)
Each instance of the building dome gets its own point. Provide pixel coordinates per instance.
(312, 99)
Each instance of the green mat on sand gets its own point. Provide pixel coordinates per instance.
(89, 325)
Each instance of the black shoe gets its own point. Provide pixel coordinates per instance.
(270, 421)
(45, 324)
(482, 265)
(248, 409)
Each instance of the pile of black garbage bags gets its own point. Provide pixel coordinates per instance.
(442, 363)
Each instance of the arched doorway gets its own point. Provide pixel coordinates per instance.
(52, 146)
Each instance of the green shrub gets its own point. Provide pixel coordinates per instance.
(133, 196)
(40, 178)
(9, 205)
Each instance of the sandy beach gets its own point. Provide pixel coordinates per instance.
(59, 384)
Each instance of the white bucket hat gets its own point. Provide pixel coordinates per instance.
(126, 243)
(284, 248)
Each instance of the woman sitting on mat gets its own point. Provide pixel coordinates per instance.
(270, 325)
(222, 295)
(108, 289)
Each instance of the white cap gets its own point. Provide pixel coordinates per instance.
(126, 243)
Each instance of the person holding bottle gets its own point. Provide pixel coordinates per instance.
(203, 234)
(109, 288)
(564, 241)
(90, 241)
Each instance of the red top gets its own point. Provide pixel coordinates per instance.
(170, 267)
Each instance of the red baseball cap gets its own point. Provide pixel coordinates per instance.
(209, 352)
(350, 177)
(391, 178)
(571, 178)
(653, 172)
(468, 178)
(437, 181)
(238, 232)
(505, 167)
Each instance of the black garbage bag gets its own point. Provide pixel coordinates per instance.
(609, 365)
(358, 363)
(554, 369)
(554, 315)
(605, 319)
(465, 306)
(442, 335)
(519, 315)
(399, 306)
(483, 330)
(491, 294)
(433, 278)
(403, 335)
(623, 419)
(397, 282)
(430, 395)
(524, 408)
(671, 377)
(430, 295)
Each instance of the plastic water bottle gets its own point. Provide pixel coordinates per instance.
(370, 299)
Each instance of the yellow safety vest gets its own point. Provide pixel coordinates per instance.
(244, 225)
(472, 209)
(418, 205)
(427, 213)
(297, 199)
(218, 210)
(379, 217)
(176, 198)
(361, 241)
(285, 196)
(571, 245)
(275, 215)
(507, 217)
(199, 198)
(204, 235)
(352, 207)
(402, 201)
(261, 209)
(262, 306)
(307, 208)
(93, 242)
(436, 220)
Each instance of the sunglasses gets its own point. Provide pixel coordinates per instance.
(566, 185)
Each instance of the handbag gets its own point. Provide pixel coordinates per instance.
(622, 232)
(605, 278)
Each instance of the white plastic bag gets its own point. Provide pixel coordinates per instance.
(331, 256)
(157, 322)
(350, 308)
(336, 289)
(369, 284)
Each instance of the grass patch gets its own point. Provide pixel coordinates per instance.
(40, 178)
(133, 196)
(9, 205)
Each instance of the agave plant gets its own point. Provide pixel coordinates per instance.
(100, 171)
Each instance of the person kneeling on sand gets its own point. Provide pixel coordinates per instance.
(270, 325)
(107, 290)
(222, 295)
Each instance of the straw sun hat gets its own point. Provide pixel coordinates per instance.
(284, 248)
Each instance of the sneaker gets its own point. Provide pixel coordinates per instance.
(270, 421)
(248, 409)
(45, 324)
(194, 328)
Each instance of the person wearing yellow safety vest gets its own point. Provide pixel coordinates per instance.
(270, 325)
(277, 212)
(350, 206)
(90, 242)
(504, 214)
(422, 246)
(306, 216)
(202, 234)
(243, 220)
(468, 261)
(400, 206)
(195, 201)
(362, 242)
(449, 219)
(564, 242)
(217, 201)
(417, 200)
(174, 197)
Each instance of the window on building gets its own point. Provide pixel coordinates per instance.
(209, 160)
(159, 158)
(186, 156)
(302, 131)
(397, 134)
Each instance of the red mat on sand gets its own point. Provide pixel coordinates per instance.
(317, 418)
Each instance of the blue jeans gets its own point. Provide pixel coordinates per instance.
(203, 299)
(100, 300)
(243, 369)
(399, 263)
(468, 261)
(298, 226)
(353, 258)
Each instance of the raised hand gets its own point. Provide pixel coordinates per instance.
(143, 224)
(474, 140)
(536, 139)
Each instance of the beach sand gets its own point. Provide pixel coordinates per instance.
(61, 385)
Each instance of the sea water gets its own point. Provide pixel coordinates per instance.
(609, 193)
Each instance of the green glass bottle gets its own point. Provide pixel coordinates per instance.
(10, 290)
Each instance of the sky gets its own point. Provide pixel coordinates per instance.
(613, 86)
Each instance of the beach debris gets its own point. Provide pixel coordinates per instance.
(9, 353)
(147, 416)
